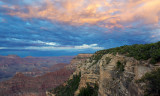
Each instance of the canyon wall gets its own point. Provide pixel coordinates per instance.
(115, 75)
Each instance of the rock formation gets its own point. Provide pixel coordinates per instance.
(78, 59)
(21, 85)
(115, 75)
(31, 66)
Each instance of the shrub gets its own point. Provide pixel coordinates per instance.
(152, 83)
(89, 91)
(138, 51)
(69, 89)
(120, 66)
(108, 60)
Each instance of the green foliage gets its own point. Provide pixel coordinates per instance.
(139, 52)
(69, 89)
(96, 57)
(120, 66)
(89, 91)
(152, 83)
(108, 60)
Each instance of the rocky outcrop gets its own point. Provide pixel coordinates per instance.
(113, 82)
(78, 60)
(115, 75)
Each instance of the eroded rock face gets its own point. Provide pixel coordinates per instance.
(21, 85)
(112, 82)
(111, 79)
(78, 60)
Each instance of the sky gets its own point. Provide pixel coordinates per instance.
(70, 27)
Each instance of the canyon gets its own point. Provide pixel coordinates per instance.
(30, 66)
(31, 84)
(121, 71)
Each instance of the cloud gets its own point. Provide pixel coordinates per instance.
(45, 43)
(51, 48)
(81, 47)
(103, 13)
(3, 47)
(147, 11)
(92, 46)
(37, 42)
(59, 25)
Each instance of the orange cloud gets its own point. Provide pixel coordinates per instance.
(145, 10)
(99, 12)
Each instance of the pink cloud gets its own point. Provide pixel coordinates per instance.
(98, 12)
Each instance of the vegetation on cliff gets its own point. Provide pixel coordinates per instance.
(69, 89)
(120, 66)
(89, 91)
(138, 51)
(152, 83)
(108, 60)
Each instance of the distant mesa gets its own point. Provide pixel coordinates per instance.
(84, 55)
(12, 56)
(19, 74)
(29, 57)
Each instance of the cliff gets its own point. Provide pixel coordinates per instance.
(78, 60)
(111, 80)
(113, 74)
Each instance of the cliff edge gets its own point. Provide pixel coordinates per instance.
(113, 74)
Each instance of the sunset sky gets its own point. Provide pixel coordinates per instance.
(69, 27)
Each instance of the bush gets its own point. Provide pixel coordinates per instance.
(152, 83)
(89, 91)
(108, 60)
(69, 89)
(138, 51)
(120, 66)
